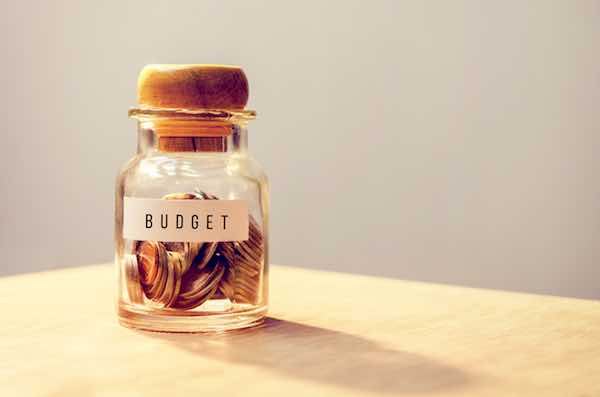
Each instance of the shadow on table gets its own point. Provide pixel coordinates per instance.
(324, 356)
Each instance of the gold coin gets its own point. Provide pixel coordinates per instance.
(132, 279)
(176, 263)
(199, 284)
(180, 196)
(205, 254)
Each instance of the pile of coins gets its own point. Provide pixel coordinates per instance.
(247, 256)
(184, 275)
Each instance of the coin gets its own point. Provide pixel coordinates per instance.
(147, 257)
(227, 284)
(188, 250)
(180, 196)
(176, 265)
(199, 284)
(132, 279)
(205, 254)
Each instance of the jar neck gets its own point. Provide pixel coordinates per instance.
(200, 137)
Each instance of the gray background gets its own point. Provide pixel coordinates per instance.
(452, 142)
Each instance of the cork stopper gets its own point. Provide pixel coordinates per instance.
(193, 87)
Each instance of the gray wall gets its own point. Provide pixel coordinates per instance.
(451, 142)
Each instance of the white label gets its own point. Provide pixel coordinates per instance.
(185, 220)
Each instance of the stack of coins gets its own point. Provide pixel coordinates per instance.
(188, 251)
(245, 259)
(200, 284)
(160, 272)
(184, 275)
(132, 279)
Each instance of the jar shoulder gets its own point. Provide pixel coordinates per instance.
(187, 171)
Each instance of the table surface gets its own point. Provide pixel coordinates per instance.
(327, 334)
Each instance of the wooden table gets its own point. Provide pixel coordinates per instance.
(329, 334)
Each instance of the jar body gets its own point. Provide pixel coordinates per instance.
(192, 285)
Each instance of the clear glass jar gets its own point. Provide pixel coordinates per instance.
(191, 160)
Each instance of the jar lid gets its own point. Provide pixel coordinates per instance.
(192, 87)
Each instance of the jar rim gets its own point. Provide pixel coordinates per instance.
(145, 113)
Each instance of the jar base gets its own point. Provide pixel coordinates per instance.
(132, 317)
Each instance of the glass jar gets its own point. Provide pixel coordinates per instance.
(191, 220)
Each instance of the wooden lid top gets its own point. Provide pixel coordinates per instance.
(193, 87)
